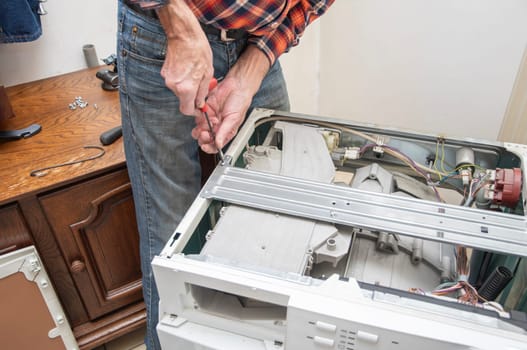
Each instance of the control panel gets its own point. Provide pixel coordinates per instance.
(309, 330)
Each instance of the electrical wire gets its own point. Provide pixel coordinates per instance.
(346, 129)
(466, 292)
(473, 190)
(410, 162)
(422, 170)
(435, 160)
(443, 155)
(372, 139)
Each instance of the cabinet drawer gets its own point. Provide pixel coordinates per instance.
(14, 233)
(94, 225)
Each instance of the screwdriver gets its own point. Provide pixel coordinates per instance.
(213, 83)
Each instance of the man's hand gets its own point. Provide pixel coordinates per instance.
(231, 99)
(188, 63)
(228, 105)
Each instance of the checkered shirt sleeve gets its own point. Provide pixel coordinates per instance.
(274, 25)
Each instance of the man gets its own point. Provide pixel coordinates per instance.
(168, 52)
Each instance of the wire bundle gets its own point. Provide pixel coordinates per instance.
(466, 292)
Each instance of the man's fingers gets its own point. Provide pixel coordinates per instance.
(191, 92)
(207, 145)
(201, 135)
(186, 92)
(204, 138)
(227, 130)
(203, 90)
(209, 148)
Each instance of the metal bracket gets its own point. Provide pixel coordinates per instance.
(476, 228)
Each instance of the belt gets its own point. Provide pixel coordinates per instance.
(222, 34)
(225, 35)
(137, 8)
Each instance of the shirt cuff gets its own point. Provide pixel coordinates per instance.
(276, 43)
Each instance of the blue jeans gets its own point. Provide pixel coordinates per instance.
(19, 21)
(161, 155)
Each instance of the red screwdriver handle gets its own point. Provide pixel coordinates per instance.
(213, 83)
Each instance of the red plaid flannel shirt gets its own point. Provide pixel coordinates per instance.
(274, 25)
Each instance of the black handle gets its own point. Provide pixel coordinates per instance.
(21, 133)
(110, 136)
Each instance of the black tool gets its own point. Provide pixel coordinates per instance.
(110, 136)
(20, 134)
(110, 79)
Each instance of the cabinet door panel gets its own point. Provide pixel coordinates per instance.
(106, 246)
(94, 224)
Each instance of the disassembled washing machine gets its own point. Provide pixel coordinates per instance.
(325, 234)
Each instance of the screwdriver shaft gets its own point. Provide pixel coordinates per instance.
(213, 136)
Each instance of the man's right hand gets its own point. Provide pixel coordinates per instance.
(230, 100)
(188, 63)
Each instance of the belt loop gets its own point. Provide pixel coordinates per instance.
(223, 36)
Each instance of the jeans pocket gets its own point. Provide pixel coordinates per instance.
(142, 51)
(145, 40)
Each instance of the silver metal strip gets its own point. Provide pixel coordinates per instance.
(476, 228)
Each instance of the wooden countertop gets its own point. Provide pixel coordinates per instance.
(64, 133)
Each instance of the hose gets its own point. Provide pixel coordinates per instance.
(495, 283)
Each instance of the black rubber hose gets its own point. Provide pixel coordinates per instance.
(495, 283)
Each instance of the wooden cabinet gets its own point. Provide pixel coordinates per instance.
(80, 218)
(94, 225)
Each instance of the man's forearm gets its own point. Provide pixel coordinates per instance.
(187, 69)
(251, 68)
(178, 21)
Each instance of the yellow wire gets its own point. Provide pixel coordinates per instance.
(443, 155)
(352, 131)
(435, 159)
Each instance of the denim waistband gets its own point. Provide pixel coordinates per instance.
(137, 8)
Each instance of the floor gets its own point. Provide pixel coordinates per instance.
(130, 341)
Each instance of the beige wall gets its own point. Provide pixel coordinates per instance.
(442, 66)
(68, 26)
(301, 67)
